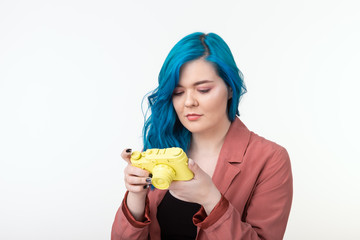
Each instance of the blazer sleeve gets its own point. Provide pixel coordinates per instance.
(126, 227)
(266, 213)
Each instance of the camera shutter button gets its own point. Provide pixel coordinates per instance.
(135, 155)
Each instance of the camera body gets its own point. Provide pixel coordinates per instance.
(166, 165)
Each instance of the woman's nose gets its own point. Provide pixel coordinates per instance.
(190, 100)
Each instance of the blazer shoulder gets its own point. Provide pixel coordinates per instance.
(264, 146)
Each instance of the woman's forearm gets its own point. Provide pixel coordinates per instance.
(136, 205)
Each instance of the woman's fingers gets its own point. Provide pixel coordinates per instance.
(136, 188)
(135, 171)
(136, 179)
(133, 180)
(126, 154)
(136, 184)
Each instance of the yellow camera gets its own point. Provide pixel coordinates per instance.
(166, 165)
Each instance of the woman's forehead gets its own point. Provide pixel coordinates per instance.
(197, 72)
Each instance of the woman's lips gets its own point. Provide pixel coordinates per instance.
(193, 117)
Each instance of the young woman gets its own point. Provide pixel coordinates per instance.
(242, 185)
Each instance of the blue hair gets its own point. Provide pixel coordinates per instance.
(162, 129)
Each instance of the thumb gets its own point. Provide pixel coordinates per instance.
(126, 155)
(194, 167)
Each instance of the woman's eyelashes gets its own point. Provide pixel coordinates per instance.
(202, 90)
(177, 93)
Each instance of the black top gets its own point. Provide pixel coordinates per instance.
(175, 218)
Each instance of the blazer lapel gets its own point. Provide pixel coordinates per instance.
(224, 178)
(231, 155)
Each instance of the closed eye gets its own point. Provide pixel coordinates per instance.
(177, 93)
(204, 90)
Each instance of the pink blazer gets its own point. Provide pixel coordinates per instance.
(254, 177)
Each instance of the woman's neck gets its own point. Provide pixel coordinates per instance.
(210, 142)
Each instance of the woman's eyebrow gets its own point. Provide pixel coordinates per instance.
(198, 83)
(201, 82)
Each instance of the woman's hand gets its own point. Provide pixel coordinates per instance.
(136, 179)
(136, 182)
(200, 189)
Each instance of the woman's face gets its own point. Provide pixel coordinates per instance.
(200, 99)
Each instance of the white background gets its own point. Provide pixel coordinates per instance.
(73, 74)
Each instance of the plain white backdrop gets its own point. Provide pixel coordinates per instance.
(73, 75)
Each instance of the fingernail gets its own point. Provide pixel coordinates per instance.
(191, 162)
(128, 150)
(148, 180)
(150, 175)
(146, 186)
